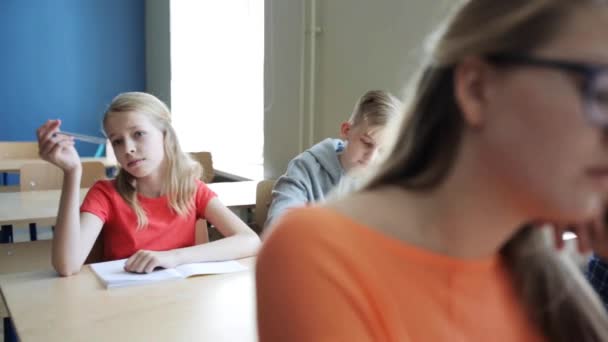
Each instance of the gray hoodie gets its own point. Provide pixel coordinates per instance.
(309, 177)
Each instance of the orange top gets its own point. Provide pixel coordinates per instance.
(323, 277)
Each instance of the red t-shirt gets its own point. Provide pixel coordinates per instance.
(166, 230)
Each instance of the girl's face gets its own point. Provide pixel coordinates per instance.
(540, 135)
(137, 143)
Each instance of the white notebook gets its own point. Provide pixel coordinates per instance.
(113, 274)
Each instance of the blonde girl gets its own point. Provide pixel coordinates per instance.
(148, 213)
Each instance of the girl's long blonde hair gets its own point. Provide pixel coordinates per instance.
(181, 171)
(551, 286)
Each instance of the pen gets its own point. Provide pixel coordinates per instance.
(83, 137)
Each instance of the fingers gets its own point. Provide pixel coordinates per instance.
(558, 231)
(151, 265)
(141, 262)
(51, 147)
(598, 237)
(583, 241)
(47, 141)
(598, 232)
(47, 130)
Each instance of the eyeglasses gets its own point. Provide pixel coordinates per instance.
(594, 89)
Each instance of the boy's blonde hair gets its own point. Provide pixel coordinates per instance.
(424, 150)
(376, 107)
(181, 171)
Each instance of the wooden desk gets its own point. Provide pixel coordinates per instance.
(14, 165)
(236, 194)
(45, 307)
(35, 206)
(25, 256)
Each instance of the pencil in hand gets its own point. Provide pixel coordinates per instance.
(82, 137)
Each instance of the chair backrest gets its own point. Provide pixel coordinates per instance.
(46, 176)
(204, 158)
(263, 197)
(18, 149)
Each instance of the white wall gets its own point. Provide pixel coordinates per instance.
(158, 49)
(367, 45)
(362, 45)
(282, 86)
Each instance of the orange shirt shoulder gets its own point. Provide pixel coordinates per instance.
(323, 277)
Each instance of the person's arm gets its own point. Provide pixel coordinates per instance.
(597, 273)
(74, 234)
(291, 190)
(239, 242)
(302, 293)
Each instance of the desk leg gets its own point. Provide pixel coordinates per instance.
(33, 232)
(10, 335)
(6, 234)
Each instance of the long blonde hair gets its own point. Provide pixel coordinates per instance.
(181, 171)
(552, 288)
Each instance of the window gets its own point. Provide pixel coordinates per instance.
(217, 81)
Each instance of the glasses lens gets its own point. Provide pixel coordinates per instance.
(598, 110)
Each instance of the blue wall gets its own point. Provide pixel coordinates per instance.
(67, 59)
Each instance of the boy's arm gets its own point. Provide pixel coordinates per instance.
(291, 190)
(597, 273)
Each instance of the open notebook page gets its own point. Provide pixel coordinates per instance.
(215, 267)
(112, 273)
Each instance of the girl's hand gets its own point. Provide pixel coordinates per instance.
(144, 261)
(57, 149)
(591, 236)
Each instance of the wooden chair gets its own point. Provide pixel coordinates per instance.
(46, 176)
(263, 198)
(204, 158)
(18, 150)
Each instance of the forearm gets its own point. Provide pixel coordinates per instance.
(233, 247)
(66, 256)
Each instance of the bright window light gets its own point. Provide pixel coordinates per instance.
(217, 80)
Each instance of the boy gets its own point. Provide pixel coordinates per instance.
(314, 172)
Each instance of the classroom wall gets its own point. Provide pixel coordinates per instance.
(311, 84)
(67, 59)
(359, 45)
(158, 49)
(367, 45)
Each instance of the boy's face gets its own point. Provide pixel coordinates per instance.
(362, 143)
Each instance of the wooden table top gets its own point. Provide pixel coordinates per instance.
(45, 307)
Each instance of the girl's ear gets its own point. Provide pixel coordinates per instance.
(471, 79)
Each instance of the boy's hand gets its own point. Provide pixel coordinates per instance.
(144, 261)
